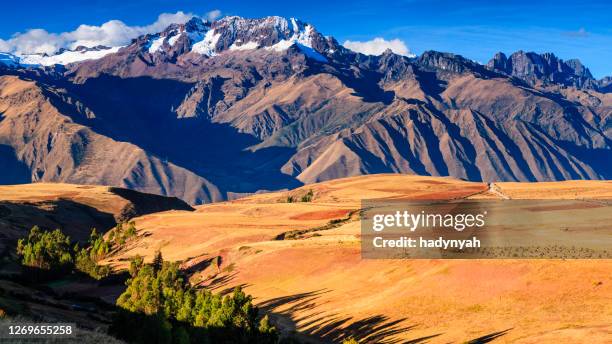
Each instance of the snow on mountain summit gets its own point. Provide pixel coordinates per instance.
(62, 57)
(239, 34)
(272, 33)
(67, 56)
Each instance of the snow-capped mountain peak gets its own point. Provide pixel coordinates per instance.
(235, 33)
(194, 30)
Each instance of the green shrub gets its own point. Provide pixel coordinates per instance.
(267, 332)
(123, 232)
(86, 264)
(135, 264)
(158, 261)
(86, 259)
(308, 196)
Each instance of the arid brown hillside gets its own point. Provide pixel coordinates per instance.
(41, 142)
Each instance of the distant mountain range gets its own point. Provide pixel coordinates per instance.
(212, 110)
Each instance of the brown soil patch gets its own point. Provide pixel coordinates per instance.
(321, 215)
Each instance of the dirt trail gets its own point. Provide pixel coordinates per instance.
(496, 190)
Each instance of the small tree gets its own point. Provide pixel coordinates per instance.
(158, 261)
(267, 332)
(131, 230)
(135, 264)
(216, 263)
(98, 247)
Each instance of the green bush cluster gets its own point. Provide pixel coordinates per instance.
(159, 305)
(86, 258)
(122, 233)
(162, 296)
(45, 250)
(52, 251)
(308, 196)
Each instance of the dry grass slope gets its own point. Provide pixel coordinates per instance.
(318, 284)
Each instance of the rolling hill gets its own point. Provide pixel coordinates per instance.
(302, 262)
(75, 209)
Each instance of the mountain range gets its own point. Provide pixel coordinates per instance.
(208, 111)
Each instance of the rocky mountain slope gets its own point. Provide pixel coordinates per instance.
(208, 111)
(40, 143)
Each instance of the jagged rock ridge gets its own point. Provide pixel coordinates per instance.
(211, 111)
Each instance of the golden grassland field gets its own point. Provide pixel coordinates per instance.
(316, 283)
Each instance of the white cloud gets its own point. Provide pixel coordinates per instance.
(213, 15)
(35, 41)
(112, 33)
(581, 33)
(378, 45)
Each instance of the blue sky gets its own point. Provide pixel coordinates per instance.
(475, 29)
